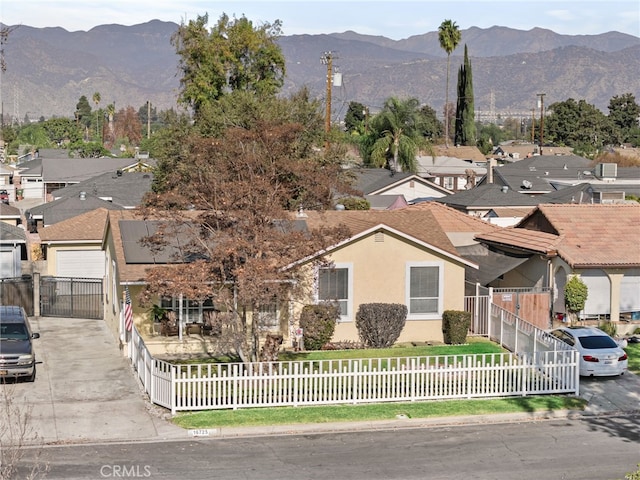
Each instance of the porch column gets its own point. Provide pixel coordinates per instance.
(615, 277)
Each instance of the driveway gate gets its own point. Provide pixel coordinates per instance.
(71, 297)
(17, 291)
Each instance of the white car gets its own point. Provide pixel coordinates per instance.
(600, 355)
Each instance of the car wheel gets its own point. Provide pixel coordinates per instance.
(32, 377)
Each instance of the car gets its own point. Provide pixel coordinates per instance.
(600, 355)
(17, 355)
(4, 196)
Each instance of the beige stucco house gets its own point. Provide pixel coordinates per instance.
(400, 256)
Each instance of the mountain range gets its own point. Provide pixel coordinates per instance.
(49, 69)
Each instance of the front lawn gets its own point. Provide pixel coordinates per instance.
(380, 411)
(633, 352)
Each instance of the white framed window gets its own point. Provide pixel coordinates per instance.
(424, 290)
(335, 285)
(448, 182)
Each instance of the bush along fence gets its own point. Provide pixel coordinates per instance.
(547, 367)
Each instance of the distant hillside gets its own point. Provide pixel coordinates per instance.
(48, 69)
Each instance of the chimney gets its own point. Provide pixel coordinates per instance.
(490, 166)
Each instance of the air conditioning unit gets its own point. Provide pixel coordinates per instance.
(607, 170)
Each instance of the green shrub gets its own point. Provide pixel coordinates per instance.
(609, 328)
(355, 203)
(380, 324)
(318, 322)
(455, 326)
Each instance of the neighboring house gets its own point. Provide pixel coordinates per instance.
(482, 200)
(50, 213)
(73, 247)
(514, 151)
(534, 175)
(122, 188)
(10, 214)
(597, 242)
(13, 249)
(43, 175)
(380, 182)
(400, 256)
(451, 173)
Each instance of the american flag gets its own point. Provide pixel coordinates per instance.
(128, 310)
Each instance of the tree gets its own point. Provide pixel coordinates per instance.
(449, 36)
(575, 297)
(396, 135)
(110, 137)
(355, 118)
(127, 128)
(465, 133)
(83, 112)
(243, 187)
(578, 125)
(61, 131)
(232, 56)
(96, 100)
(624, 113)
(429, 126)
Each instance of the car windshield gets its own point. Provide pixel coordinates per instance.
(596, 342)
(13, 331)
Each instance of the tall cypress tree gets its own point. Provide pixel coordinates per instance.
(465, 133)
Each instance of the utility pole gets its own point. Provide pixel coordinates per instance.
(541, 101)
(148, 119)
(327, 59)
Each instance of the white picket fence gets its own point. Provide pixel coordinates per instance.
(542, 366)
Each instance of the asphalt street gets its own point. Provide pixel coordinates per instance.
(85, 392)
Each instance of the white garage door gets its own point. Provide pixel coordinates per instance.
(80, 263)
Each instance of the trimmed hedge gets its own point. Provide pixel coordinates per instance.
(455, 326)
(380, 324)
(318, 322)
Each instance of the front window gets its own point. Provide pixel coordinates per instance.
(334, 285)
(267, 316)
(424, 286)
(192, 310)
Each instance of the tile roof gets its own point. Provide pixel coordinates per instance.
(417, 223)
(585, 236)
(89, 226)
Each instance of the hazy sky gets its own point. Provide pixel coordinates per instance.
(392, 19)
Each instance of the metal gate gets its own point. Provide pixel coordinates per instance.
(17, 291)
(71, 297)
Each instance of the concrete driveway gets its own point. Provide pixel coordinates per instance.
(84, 389)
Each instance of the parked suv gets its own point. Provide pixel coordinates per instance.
(17, 356)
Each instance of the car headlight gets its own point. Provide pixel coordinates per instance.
(25, 359)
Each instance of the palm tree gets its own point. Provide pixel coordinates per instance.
(397, 136)
(96, 100)
(449, 36)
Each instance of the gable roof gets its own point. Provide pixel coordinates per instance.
(9, 211)
(10, 234)
(487, 196)
(584, 236)
(440, 165)
(538, 171)
(462, 152)
(74, 170)
(86, 227)
(125, 189)
(418, 224)
(69, 207)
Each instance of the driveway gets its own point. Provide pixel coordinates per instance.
(84, 389)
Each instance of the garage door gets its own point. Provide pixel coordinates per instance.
(80, 263)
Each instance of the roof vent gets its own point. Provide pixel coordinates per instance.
(83, 195)
(119, 173)
(527, 184)
(505, 188)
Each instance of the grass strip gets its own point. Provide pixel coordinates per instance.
(385, 411)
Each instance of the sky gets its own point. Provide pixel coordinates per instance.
(393, 19)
